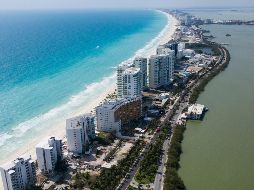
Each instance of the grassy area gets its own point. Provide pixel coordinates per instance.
(142, 179)
(81, 180)
(105, 138)
(153, 125)
(133, 188)
(110, 178)
(149, 165)
(110, 156)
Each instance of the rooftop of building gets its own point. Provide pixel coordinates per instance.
(116, 103)
(158, 56)
(45, 143)
(196, 109)
(74, 122)
(140, 58)
(194, 69)
(167, 48)
(131, 71)
(125, 64)
(11, 164)
(77, 118)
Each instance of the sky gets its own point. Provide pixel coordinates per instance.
(83, 4)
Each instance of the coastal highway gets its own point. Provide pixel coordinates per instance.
(127, 180)
(158, 182)
(159, 178)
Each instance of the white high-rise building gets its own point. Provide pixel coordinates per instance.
(18, 174)
(132, 82)
(141, 62)
(161, 68)
(181, 47)
(105, 114)
(120, 69)
(80, 131)
(48, 153)
(188, 20)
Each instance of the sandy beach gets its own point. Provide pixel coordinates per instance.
(58, 128)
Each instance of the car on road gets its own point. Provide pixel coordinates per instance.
(128, 176)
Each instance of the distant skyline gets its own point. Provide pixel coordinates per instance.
(128, 4)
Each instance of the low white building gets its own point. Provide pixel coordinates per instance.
(196, 111)
(48, 153)
(163, 96)
(201, 60)
(188, 53)
(80, 131)
(18, 174)
(132, 82)
(162, 50)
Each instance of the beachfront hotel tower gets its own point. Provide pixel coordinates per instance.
(120, 70)
(131, 78)
(132, 82)
(111, 115)
(80, 131)
(141, 62)
(161, 68)
(105, 115)
(18, 174)
(48, 153)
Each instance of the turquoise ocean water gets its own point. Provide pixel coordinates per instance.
(52, 63)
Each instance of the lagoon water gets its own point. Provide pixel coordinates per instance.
(50, 60)
(218, 152)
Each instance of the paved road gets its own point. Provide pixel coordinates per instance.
(126, 181)
(159, 178)
(129, 180)
(160, 172)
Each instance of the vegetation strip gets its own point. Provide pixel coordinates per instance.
(110, 178)
(172, 179)
(149, 165)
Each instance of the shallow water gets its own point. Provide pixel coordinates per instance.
(53, 63)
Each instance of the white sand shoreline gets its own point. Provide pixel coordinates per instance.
(59, 129)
